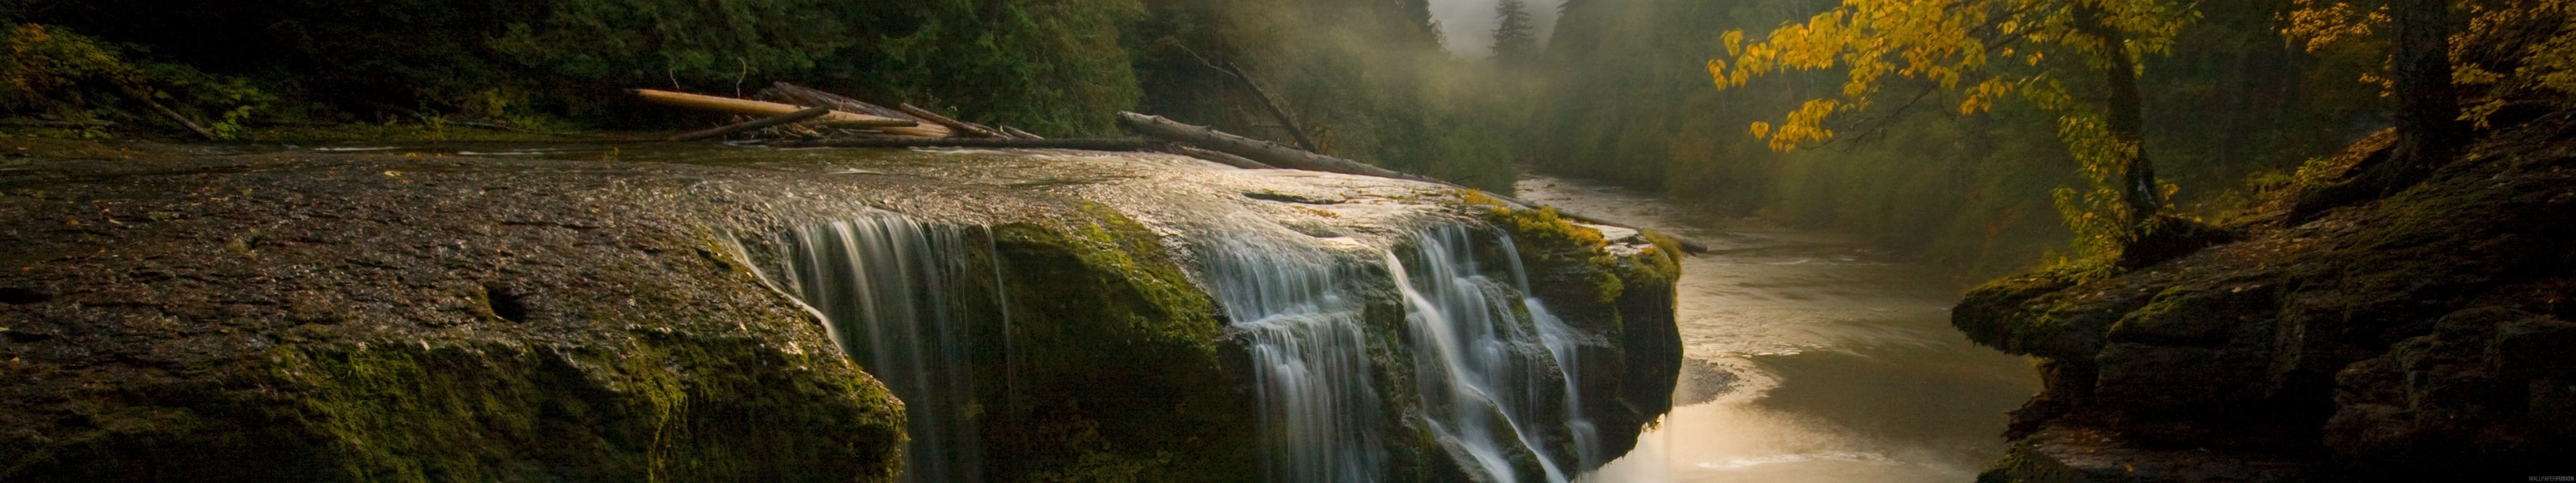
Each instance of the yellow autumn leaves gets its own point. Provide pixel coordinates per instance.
(1951, 44)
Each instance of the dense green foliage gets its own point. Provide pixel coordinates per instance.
(1365, 80)
(1049, 66)
(52, 71)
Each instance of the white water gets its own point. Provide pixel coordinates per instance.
(1480, 359)
(1319, 410)
(890, 290)
(1493, 369)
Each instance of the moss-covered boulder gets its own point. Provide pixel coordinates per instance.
(2392, 338)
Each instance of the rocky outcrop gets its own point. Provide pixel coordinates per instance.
(324, 318)
(414, 318)
(2417, 336)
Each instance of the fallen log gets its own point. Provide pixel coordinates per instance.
(866, 123)
(145, 95)
(504, 127)
(805, 96)
(766, 108)
(1218, 157)
(1273, 154)
(1016, 132)
(1093, 144)
(807, 113)
(1285, 121)
(1266, 152)
(25, 122)
(953, 124)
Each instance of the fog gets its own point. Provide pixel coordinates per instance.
(1467, 26)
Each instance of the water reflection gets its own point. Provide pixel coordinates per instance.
(1832, 363)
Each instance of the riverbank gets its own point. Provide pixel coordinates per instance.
(2414, 337)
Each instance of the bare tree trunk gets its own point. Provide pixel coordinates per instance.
(1294, 130)
(808, 113)
(2124, 112)
(765, 108)
(1218, 157)
(2429, 133)
(952, 124)
(2428, 106)
(1266, 152)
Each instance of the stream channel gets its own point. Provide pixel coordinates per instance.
(1809, 359)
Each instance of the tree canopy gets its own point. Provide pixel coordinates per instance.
(1988, 50)
(1515, 39)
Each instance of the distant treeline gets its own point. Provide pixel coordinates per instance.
(1057, 67)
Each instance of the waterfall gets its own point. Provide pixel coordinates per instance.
(1310, 358)
(898, 297)
(1494, 369)
(1563, 349)
(1485, 355)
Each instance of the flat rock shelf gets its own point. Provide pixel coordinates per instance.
(537, 312)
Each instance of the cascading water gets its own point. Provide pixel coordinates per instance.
(898, 296)
(1563, 345)
(1495, 371)
(1310, 358)
(1485, 354)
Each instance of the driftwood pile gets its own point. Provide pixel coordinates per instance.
(793, 116)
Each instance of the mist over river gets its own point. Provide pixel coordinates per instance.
(1810, 359)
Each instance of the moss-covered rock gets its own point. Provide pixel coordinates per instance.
(407, 319)
(425, 317)
(1119, 371)
(2334, 342)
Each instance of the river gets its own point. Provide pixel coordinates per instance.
(1810, 359)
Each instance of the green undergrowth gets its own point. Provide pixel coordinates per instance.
(54, 72)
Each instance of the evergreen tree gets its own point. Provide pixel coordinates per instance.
(1515, 39)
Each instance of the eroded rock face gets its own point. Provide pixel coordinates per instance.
(414, 317)
(2394, 339)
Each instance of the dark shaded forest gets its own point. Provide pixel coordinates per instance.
(2236, 96)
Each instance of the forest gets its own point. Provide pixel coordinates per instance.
(2235, 96)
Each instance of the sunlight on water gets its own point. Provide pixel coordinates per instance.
(1840, 363)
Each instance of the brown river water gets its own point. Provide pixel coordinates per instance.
(1811, 359)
